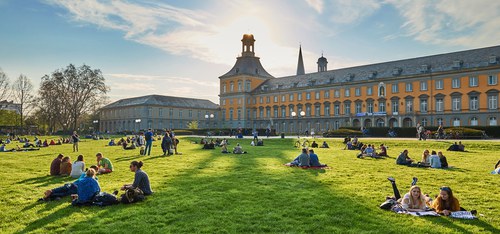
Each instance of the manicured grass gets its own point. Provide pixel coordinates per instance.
(206, 191)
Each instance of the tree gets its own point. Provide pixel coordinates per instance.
(67, 94)
(193, 125)
(22, 91)
(4, 86)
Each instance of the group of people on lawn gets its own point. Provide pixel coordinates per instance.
(433, 159)
(306, 159)
(144, 141)
(86, 188)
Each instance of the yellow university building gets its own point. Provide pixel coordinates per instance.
(454, 89)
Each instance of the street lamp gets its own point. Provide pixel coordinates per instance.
(302, 114)
(138, 121)
(208, 117)
(96, 127)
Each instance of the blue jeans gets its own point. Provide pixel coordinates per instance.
(63, 191)
(148, 147)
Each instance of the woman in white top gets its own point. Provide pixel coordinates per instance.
(414, 200)
(78, 167)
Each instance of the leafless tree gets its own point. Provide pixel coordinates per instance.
(23, 95)
(69, 93)
(4, 86)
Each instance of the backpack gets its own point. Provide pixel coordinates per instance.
(132, 195)
(105, 199)
(388, 204)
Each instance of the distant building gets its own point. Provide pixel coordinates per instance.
(157, 112)
(453, 89)
(10, 106)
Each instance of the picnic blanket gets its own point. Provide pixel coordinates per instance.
(462, 215)
(307, 167)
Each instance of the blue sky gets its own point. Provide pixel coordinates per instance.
(180, 48)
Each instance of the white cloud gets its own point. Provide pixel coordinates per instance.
(317, 5)
(351, 11)
(451, 22)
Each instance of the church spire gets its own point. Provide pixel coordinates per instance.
(300, 65)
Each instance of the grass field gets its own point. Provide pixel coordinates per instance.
(206, 191)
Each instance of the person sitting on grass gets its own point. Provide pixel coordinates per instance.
(65, 166)
(442, 158)
(129, 146)
(105, 165)
(3, 148)
(461, 147)
(404, 159)
(78, 167)
(497, 168)
(314, 145)
(383, 150)
(65, 190)
(260, 142)
(223, 146)
(52, 142)
(209, 145)
(141, 179)
(314, 160)
(426, 158)
(435, 161)
(27, 144)
(112, 142)
(446, 203)
(303, 160)
(324, 145)
(87, 188)
(55, 166)
(238, 150)
(349, 146)
(453, 147)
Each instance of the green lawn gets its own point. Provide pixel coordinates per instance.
(206, 191)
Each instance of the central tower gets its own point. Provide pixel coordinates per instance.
(237, 85)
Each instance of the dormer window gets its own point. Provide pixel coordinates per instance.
(457, 64)
(312, 83)
(397, 71)
(295, 84)
(332, 80)
(256, 71)
(372, 75)
(424, 68)
(237, 70)
(493, 59)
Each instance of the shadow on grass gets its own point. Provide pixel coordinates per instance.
(451, 222)
(42, 222)
(43, 181)
(244, 197)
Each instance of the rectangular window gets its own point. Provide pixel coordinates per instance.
(395, 107)
(317, 110)
(283, 112)
(239, 101)
(170, 112)
(358, 107)
(369, 107)
(160, 112)
(291, 97)
(423, 105)
(492, 80)
(492, 102)
(275, 112)
(336, 109)
(150, 111)
(336, 93)
(456, 104)
(395, 88)
(473, 81)
(347, 92)
(316, 95)
(381, 106)
(239, 114)
(439, 84)
(275, 98)
(439, 105)
(409, 87)
(369, 91)
(327, 110)
(357, 92)
(327, 94)
(268, 99)
(268, 113)
(261, 113)
(347, 108)
(261, 100)
(308, 96)
(308, 110)
(190, 113)
(409, 106)
(455, 83)
(474, 103)
(423, 85)
(283, 98)
(299, 97)
(180, 113)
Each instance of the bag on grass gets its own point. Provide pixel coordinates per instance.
(105, 199)
(388, 204)
(132, 195)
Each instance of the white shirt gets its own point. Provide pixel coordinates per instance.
(77, 169)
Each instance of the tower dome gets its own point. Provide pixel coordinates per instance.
(322, 64)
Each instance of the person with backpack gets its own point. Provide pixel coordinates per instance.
(87, 189)
(149, 141)
(139, 188)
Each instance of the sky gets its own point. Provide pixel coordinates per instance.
(180, 48)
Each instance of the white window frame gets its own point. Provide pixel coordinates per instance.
(455, 83)
(473, 81)
(423, 85)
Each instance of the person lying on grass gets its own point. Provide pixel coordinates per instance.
(446, 203)
(414, 200)
(87, 188)
(105, 165)
(65, 190)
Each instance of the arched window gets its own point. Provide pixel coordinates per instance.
(224, 88)
(248, 85)
(381, 89)
(493, 121)
(456, 122)
(239, 86)
(473, 121)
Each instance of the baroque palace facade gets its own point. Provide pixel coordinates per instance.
(453, 89)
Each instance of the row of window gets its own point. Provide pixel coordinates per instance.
(248, 86)
(128, 112)
(456, 105)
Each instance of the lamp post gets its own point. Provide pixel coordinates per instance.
(96, 126)
(208, 117)
(301, 114)
(138, 121)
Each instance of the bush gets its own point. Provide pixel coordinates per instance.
(342, 132)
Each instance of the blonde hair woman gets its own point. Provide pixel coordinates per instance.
(414, 200)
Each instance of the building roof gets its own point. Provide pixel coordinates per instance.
(248, 65)
(469, 59)
(168, 101)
